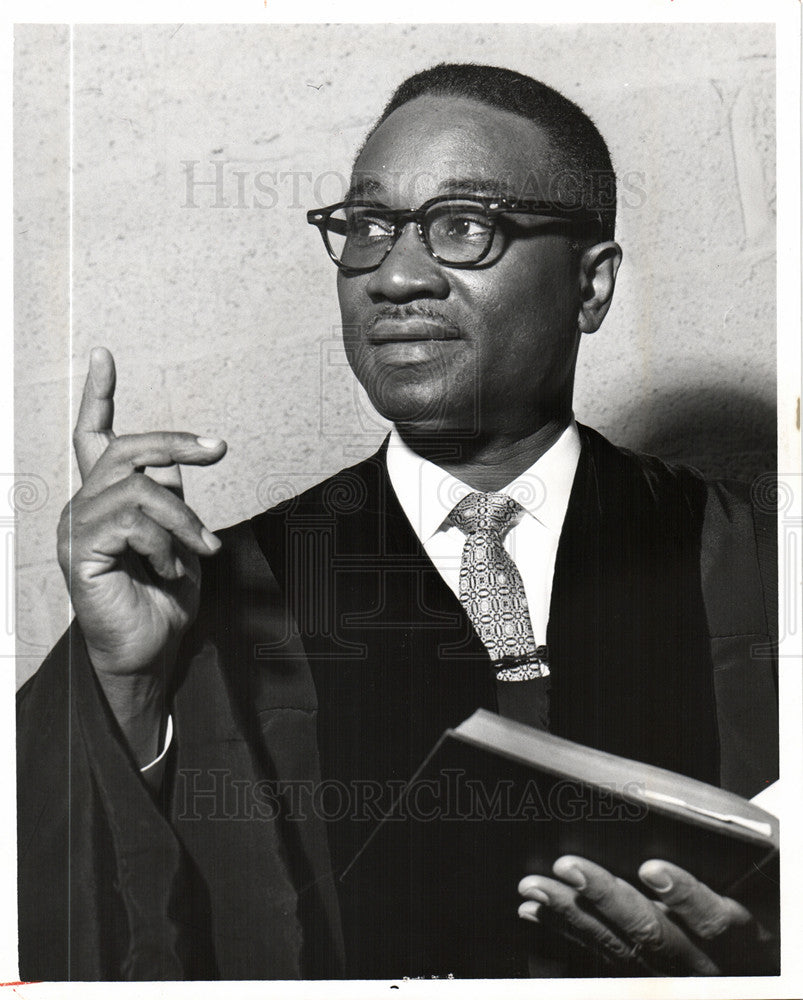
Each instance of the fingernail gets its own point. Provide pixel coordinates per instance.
(209, 442)
(658, 882)
(574, 877)
(94, 359)
(537, 895)
(179, 566)
(529, 911)
(210, 541)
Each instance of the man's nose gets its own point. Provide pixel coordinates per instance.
(408, 272)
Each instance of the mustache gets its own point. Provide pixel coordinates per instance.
(418, 311)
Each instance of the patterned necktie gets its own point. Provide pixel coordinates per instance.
(491, 589)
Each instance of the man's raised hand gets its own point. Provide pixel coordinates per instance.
(128, 546)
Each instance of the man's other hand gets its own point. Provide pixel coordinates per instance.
(128, 546)
(686, 930)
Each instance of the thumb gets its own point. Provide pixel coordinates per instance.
(168, 476)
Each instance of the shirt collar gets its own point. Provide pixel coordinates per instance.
(427, 493)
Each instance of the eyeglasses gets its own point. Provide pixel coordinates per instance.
(457, 232)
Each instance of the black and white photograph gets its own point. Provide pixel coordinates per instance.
(404, 450)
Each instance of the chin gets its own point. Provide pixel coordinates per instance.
(411, 413)
(424, 416)
(403, 399)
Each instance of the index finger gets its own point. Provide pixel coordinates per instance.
(93, 428)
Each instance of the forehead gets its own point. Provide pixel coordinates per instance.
(435, 145)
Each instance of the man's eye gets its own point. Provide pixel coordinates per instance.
(465, 227)
(368, 227)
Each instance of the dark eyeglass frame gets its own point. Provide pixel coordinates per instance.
(493, 207)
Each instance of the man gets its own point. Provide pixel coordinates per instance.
(492, 554)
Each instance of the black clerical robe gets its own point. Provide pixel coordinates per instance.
(329, 655)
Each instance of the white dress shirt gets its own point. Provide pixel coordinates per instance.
(152, 771)
(427, 495)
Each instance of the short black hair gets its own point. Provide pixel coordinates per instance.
(580, 171)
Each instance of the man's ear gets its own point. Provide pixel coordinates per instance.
(598, 267)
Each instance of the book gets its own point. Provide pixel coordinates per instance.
(496, 800)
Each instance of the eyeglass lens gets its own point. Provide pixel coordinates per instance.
(458, 232)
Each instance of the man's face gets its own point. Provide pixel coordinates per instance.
(489, 350)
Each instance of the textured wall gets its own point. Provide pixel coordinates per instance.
(223, 316)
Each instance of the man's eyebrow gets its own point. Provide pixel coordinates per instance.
(494, 187)
(366, 186)
(363, 187)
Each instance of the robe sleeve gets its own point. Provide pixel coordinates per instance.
(97, 861)
(117, 882)
(739, 579)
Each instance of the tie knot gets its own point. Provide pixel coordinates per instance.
(485, 512)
